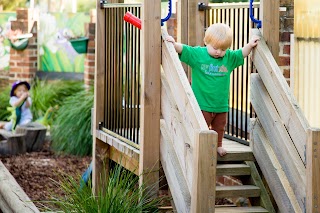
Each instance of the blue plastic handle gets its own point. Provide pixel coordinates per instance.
(169, 13)
(258, 22)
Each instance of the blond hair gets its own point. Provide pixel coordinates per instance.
(219, 36)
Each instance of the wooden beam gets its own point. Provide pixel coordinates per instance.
(182, 21)
(195, 23)
(272, 170)
(150, 93)
(282, 96)
(279, 138)
(174, 175)
(177, 131)
(271, 25)
(99, 98)
(121, 152)
(204, 171)
(313, 171)
(12, 196)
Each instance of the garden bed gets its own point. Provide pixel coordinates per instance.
(35, 171)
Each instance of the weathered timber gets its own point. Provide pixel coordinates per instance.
(282, 97)
(177, 130)
(11, 143)
(256, 180)
(120, 151)
(174, 174)
(34, 135)
(12, 196)
(204, 171)
(253, 209)
(233, 169)
(237, 191)
(313, 171)
(279, 138)
(272, 170)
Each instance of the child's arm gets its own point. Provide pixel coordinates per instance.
(248, 47)
(20, 101)
(177, 46)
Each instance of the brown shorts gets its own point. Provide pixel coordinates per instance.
(216, 122)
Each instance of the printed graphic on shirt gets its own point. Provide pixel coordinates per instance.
(214, 70)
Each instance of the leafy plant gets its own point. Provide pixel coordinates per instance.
(72, 125)
(47, 94)
(121, 193)
(4, 103)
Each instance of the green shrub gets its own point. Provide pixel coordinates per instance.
(46, 94)
(121, 194)
(4, 103)
(71, 129)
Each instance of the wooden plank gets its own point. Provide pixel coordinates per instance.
(196, 23)
(204, 171)
(174, 175)
(233, 169)
(12, 196)
(177, 131)
(313, 171)
(181, 89)
(99, 95)
(282, 97)
(279, 138)
(237, 191)
(253, 209)
(121, 152)
(236, 152)
(182, 22)
(271, 25)
(272, 170)
(150, 93)
(265, 200)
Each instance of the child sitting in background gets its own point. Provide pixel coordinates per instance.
(21, 103)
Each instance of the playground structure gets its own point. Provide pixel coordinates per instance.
(171, 130)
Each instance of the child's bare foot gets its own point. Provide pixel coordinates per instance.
(2, 125)
(221, 151)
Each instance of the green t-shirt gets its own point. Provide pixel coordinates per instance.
(211, 76)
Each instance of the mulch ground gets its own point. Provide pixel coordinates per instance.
(36, 172)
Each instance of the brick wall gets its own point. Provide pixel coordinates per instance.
(23, 63)
(89, 63)
(286, 29)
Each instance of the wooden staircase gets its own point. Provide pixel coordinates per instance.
(239, 163)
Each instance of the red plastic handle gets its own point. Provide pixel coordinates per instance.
(132, 19)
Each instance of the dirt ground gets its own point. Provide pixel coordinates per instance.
(35, 171)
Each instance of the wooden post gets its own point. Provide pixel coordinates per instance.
(99, 96)
(204, 170)
(195, 23)
(271, 25)
(150, 93)
(313, 171)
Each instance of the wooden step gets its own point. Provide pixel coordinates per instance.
(237, 191)
(251, 209)
(233, 169)
(237, 156)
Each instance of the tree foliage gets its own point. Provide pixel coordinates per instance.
(11, 5)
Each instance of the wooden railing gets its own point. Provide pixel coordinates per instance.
(187, 146)
(283, 143)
